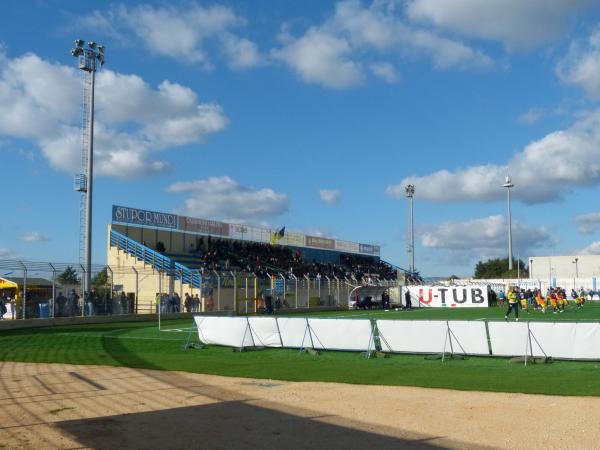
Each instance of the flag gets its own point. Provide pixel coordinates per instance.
(276, 237)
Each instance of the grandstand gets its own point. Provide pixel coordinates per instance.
(194, 251)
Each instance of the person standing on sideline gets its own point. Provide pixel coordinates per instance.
(525, 301)
(385, 300)
(407, 300)
(73, 303)
(187, 303)
(501, 298)
(513, 304)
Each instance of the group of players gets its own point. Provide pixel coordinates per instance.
(556, 298)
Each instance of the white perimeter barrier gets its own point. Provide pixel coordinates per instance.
(433, 336)
(265, 331)
(229, 331)
(341, 334)
(556, 339)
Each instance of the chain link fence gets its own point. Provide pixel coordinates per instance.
(42, 290)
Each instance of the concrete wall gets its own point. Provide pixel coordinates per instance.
(564, 267)
(146, 283)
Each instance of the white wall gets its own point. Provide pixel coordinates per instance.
(547, 267)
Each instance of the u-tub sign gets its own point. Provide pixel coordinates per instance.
(449, 296)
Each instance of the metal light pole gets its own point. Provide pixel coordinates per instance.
(410, 192)
(576, 262)
(508, 184)
(87, 57)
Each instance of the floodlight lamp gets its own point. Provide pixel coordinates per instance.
(79, 42)
(76, 51)
(92, 44)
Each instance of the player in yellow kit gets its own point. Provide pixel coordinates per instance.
(513, 303)
(580, 299)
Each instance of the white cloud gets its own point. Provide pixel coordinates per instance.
(385, 71)
(335, 53)
(241, 53)
(531, 116)
(330, 196)
(40, 101)
(592, 249)
(6, 253)
(445, 53)
(581, 65)
(518, 24)
(587, 223)
(484, 237)
(181, 32)
(321, 57)
(224, 198)
(33, 236)
(543, 171)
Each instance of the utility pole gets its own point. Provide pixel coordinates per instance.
(87, 58)
(410, 192)
(508, 184)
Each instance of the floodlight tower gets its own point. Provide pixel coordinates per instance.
(410, 192)
(508, 184)
(88, 57)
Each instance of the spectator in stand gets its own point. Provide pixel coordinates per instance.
(265, 259)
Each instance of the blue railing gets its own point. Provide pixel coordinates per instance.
(155, 259)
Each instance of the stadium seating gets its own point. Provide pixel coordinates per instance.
(265, 259)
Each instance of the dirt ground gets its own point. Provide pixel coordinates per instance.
(62, 406)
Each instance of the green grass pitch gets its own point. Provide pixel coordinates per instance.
(142, 345)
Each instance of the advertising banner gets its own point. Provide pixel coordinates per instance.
(369, 249)
(203, 226)
(238, 231)
(448, 296)
(291, 238)
(136, 216)
(320, 242)
(249, 233)
(346, 246)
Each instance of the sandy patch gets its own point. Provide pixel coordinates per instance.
(75, 406)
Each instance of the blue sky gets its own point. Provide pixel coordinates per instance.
(313, 115)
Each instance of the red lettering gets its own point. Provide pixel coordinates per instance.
(422, 300)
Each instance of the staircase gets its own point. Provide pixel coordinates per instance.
(156, 260)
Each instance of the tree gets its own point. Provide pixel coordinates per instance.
(101, 279)
(68, 277)
(498, 268)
